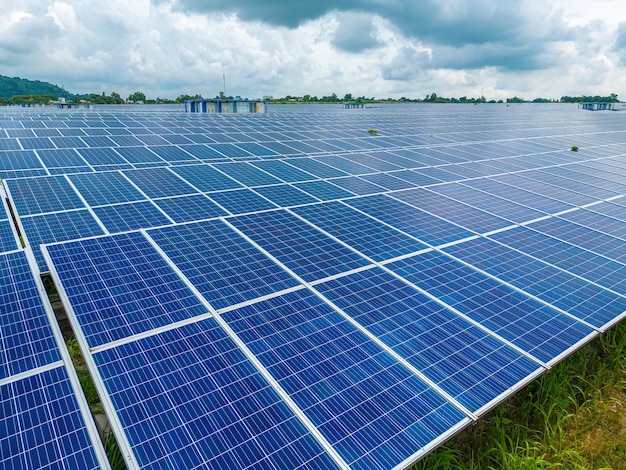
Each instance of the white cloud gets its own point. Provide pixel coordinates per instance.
(365, 47)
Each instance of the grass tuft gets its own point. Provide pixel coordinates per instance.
(572, 417)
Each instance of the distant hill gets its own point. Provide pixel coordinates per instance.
(14, 86)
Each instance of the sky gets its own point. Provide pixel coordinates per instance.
(371, 48)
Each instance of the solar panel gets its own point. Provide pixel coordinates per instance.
(286, 291)
(44, 423)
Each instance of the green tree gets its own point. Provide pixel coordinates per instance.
(137, 96)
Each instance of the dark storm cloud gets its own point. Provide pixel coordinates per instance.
(356, 33)
(461, 33)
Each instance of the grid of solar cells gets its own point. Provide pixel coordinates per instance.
(41, 195)
(221, 264)
(532, 326)
(205, 406)
(369, 236)
(104, 188)
(43, 425)
(302, 248)
(415, 222)
(206, 178)
(55, 227)
(573, 294)
(325, 364)
(469, 364)
(159, 182)
(128, 268)
(482, 174)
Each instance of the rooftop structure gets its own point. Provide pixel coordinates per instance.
(226, 105)
(597, 106)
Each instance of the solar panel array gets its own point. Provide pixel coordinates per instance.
(44, 418)
(287, 291)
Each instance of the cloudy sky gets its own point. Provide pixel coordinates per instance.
(373, 48)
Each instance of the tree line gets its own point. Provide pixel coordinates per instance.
(140, 97)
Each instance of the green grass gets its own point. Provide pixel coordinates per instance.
(93, 400)
(572, 417)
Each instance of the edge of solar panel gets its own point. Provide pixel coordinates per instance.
(54, 386)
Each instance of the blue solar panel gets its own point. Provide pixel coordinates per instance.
(453, 211)
(505, 209)
(586, 264)
(19, 160)
(122, 287)
(285, 195)
(302, 248)
(67, 159)
(40, 416)
(104, 188)
(172, 153)
(464, 360)
(323, 190)
(351, 389)
(284, 171)
(413, 221)
(369, 236)
(42, 426)
(131, 216)
(7, 236)
(61, 226)
(45, 194)
(104, 157)
(206, 178)
(190, 208)
(241, 201)
(27, 338)
(247, 174)
(159, 182)
(581, 298)
(535, 328)
(205, 406)
(316, 168)
(520, 196)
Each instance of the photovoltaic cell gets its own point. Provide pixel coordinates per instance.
(159, 182)
(27, 338)
(7, 238)
(205, 406)
(581, 298)
(411, 220)
(241, 201)
(369, 236)
(104, 188)
(302, 248)
(324, 363)
(42, 424)
(448, 209)
(534, 327)
(40, 195)
(190, 208)
(323, 190)
(464, 360)
(61, 226)
(224, 267)
(120, 286)
(206, 178)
